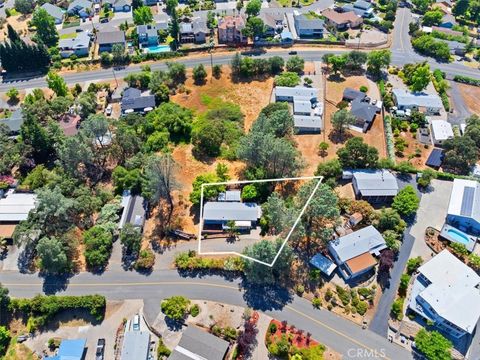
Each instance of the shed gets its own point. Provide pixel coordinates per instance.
(230, 195)
(435, 158)
(70, 349)
(441, 131)
(134, 210)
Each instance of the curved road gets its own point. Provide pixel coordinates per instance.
(335, 332)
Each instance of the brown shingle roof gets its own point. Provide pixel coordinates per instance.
(231, 21)
(340, 18)
(361, 262)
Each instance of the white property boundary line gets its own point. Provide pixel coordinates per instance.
(200, 227)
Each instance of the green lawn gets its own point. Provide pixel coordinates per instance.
(13, 12)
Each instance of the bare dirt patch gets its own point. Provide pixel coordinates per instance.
(411, 153)
(251, 96)
(471, 94)
(334, 93)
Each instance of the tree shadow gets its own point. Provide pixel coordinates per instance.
(201, 273)
(25, 259)
(338, 78)
(337, 137)
(173, 325)
(55, 283)
(266, 297)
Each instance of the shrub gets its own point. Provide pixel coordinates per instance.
(300, 289)
(343, 295)
(290, 79)
(175, 307)
(146, 260)
(317, 303)
(361, 307)
(363, 88)
(162, 350)
(194, 310)
(397, 309)
(404, 281)
(328, 295)
(413, 264)
(272, 328)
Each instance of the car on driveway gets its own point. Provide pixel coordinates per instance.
(136, 323)
(108, 110)
(100, 352)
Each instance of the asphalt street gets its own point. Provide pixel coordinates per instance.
(335, 332)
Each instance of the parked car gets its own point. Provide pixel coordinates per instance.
(293, 52)
(100, 352)
(22, 338)
(104, 20)
(78, 30)
(108, 110)
(136, 323)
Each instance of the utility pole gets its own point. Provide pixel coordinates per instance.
(210, 49)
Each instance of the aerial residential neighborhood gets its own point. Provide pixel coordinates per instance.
(232, 180)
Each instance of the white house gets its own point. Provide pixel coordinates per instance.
(307, 112)
(426, 103)
(14, 208)
(79, 45)
(82, 8)
(355, 253)
(374, 185)
(464, 207)
(446, 292)
(441, 131)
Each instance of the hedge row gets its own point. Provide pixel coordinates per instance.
(190, 261)
(41, 308)
(466, 80)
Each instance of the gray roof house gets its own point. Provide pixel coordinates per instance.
(354, 253)
(308, 26)
(198, 344)
(360, 8)
(194, 31)
(245, 215)
(79, 45)
(147, 34)
(54, 11)
(456, 47)
(448, 21)
(82, 8)
(134, 101)
(350, 94)
(14, 122)
(273, 21)
(119, 5)
(106, 40)
(134, 211)
(423, 102)
(136, 345)
(374, 185)
(364, 112)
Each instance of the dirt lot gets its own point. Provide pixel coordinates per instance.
(334, 92)
(19, 23)
(410, 151)
(251, 96)
(471, 94)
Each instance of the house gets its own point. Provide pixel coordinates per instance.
(106, 40)
(447, 31)
(308, 26)
(82, 8)
(464, 207)
(456, 47)
(355, 253)
(361, 8)
(133, 100)
(79, 45)
(70, 349)
(198, 344)
(443, 7)
(119, 5)
(14, 122)
(147, 35)
(446, 292)
(435, 159)
(441, 131)
(307, 112)
(448, 21)
(150, 2)
(14, 207)
(374, 185)
(218, 213)
(274, 23)
(365, 114)
(136, 345)
(230, 30)
(69, 124)
(194, 31)
(428, 104)
(341, 20)
(134, 211)
(355, 219)
(54, 11)
(323, 263)
(350, 94)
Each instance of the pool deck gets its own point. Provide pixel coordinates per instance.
(470, 245)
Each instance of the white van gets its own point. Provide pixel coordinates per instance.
(136, 323)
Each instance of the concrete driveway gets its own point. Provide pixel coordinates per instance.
(432, 212)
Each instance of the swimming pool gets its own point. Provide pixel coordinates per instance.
(458, 236)
(157, 48)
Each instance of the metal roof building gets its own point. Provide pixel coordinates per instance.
(441, 131)
(435, 159)
(134, 211)
(374, 185)
(354, 252)
(16, 206)
(464, 207)
(421, 101)
(222, 211)
(323, 263)
(197, 344)
(230, 195)
(446, 291)
(136, 345)
(70, 349)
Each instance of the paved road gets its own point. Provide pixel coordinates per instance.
(337, 333)
(308, 55)
(460, 109)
